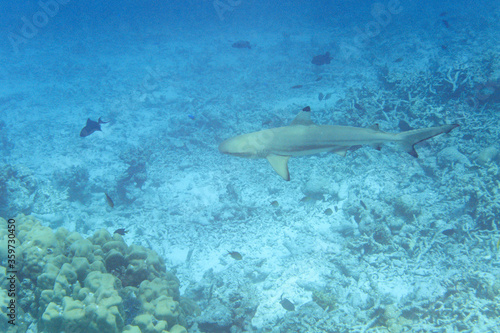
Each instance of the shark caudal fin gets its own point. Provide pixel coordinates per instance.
(409, 139)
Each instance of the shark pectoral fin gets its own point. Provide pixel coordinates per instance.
(280, 165)
(341, 152)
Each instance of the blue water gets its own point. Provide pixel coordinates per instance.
(374, 231)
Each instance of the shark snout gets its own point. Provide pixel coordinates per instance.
(225, 147)
(237, 146)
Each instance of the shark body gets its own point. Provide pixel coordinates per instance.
(303, 137)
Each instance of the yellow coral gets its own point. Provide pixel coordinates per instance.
(178, 329)
(166, 309)
(76, 291)
(148, 324)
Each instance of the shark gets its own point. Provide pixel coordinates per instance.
(304, 137)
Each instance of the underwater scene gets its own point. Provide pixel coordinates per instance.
(226, 166)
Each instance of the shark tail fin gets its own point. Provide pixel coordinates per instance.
(409, 139)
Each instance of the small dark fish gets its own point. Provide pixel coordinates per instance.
(120, 231)
(235, 255)
(286, 304)
(319, 78)
(359, 107)
(443, 14)
(449, 232)
(398, 59)
(320, 96)
(363, 204)
(275, 203)
(321, 59)
(91, 127)
(327, 96)
(190, 116)
(306, 199)
(446, 24)
(297, 86)
(242, 44)
(109, 200)
(328, 212)
(444, 47)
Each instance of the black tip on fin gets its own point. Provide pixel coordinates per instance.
(453, 126)
(307, 109)
(413, 152)
(102, 122)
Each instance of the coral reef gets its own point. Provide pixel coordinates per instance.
(21, 191)
(17, 187)
(227, 305)
(76, 180)
(99, 284)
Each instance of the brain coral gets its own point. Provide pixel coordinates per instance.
(99, 284)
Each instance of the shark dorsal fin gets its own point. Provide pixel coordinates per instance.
(303, 118)
(280, 165)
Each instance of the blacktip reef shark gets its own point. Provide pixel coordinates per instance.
(304, 137)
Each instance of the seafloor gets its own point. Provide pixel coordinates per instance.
(377, 241)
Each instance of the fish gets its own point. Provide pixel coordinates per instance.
(120, 231)
(109, 200)
(242, 44)
(286, 304)
(321, 59)
(91, 127)
(320, 96)
(363, 204)
(306, 199)
(328, 211)
(275, 203)
(235, 255)
(304, 137)
(448, 232)
(359, 107)
(297, 86)
(327, 96)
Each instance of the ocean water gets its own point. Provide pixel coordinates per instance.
(376, 241)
